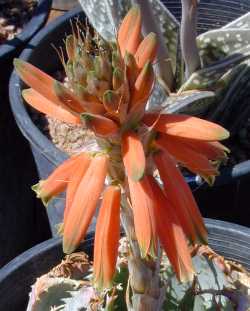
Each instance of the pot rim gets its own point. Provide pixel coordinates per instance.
(28, 255)
(239, 234)
(38, 18)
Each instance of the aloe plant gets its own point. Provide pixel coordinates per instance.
(111, 78)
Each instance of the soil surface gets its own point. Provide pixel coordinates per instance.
(14, 14)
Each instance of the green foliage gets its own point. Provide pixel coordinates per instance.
(186, 297)
(63, 294)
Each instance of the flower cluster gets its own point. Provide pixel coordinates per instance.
(109, 85)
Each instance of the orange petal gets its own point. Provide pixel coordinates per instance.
(107, 237)
(84, 204)
(57, 181)
(212, 150)
(100, 125)
(143, 86)
(181, 198)
(194, 161)
(131, 68)
(129, 33)
(118, 78)
(76, 176)
(147, 50)
(91, 103)
(142, 203)
(48, 107)
(35, 78)
(171, 235)
(111, 100)
(133, 155)
(67, 97)
(38, 80)
(124, 92)
(186, 126)
(51, 89)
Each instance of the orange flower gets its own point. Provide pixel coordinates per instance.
(83, 206)
(107, 237)
(76, 176)
(179, 194)
(142, 201)
(171, 234)
(58, 181)
(193, 142)
(133, 155)
(180, 125)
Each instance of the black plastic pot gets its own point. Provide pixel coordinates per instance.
(212, 13)
(229, 240)
(13, 47)
(19, 274)
(23, 219)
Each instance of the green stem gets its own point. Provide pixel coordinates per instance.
(144, 290)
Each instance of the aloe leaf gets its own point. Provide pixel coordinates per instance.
(233, 38)
(50, 292)
(80, 300)
(215, 77)
(237, 88)
(181, 296)
(240, 23)
(180, 102)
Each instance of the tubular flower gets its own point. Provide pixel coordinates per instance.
(193, 142)
(83, 206)
(173, 241)
(109, 86)
(107, 237)
(179, 194)
(58, 181)
(142, 203)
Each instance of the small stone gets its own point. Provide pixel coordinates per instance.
(10, 28)
(3, 21)
(14, 11)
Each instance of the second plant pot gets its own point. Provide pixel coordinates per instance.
(16, 278)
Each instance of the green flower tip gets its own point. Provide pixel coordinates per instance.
(86, 117)
(37, 188)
